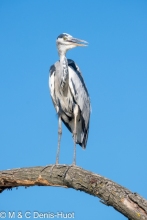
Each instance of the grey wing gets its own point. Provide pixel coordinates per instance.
(80, 94)
(52, 85)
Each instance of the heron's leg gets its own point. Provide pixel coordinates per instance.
(59, 138)
(76, 110)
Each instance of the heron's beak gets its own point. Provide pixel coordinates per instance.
(78, 42)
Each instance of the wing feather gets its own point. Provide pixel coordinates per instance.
(52, 85)
(80, 94)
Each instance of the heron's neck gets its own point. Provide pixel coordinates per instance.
(62, 58)
(65, 74)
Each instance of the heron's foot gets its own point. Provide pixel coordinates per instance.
(68, 167)
(44, 168)
(73, 164)
(51, 170)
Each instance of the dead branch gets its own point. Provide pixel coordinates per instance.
(131, 205)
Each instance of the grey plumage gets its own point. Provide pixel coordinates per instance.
(69, 93)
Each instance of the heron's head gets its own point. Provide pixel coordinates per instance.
(66, 42)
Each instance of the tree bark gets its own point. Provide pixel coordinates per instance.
(131, 205)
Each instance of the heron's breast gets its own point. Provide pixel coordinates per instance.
(65, 102)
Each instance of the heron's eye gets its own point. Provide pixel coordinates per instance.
(64, 38)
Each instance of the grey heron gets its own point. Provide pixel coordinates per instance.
(69, 94)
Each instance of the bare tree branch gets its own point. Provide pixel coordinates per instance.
(131, 205)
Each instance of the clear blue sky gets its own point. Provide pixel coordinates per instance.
(114, 66)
